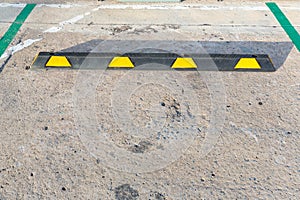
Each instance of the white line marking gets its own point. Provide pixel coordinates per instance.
(72, 20)
(22, 5)
(53, 29)
(63, 23)
(191, 6)
(14, 5)
(58, 5)
(19, 47)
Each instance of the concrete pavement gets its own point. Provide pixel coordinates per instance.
(208, 135)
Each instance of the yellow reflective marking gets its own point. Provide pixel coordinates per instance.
(121, 62)
(184, 63)
(58, 61)
(34, 58)
(247, 63)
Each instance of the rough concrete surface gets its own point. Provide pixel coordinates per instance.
(119, 134)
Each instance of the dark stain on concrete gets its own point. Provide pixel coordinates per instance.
(125, 192)
(141, 147)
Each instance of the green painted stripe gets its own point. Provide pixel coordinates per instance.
(285, 24)
(14, 27)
